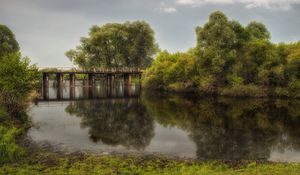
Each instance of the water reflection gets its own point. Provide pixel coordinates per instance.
(206, 128)
(80, 91)
(233, 129)
(115, 122)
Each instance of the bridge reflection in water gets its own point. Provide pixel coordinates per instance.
(81, 91)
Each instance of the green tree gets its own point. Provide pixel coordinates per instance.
(258, 30)
(216, 49)
(130, 44)
(8, 43)
(230, 59)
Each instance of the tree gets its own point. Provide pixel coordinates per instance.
(17, 77)
(130, 44)
(8, 43)
(231, 59)
(216, 48)
(258, 30)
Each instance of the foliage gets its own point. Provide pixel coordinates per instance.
(9, 150)
(258, 31)
(230, 58)
(130, 44)
(17, 79)
(243, 91)
(170, 68)
(8, 43)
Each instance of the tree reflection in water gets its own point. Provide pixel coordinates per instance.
(115, 121)
(221, 128)
(231, 129)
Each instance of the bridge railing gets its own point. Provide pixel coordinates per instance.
(96, 70)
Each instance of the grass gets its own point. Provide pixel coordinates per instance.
(50, 163)
(9, 149)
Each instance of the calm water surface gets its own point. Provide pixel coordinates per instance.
(128, 120)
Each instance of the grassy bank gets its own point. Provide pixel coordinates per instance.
(50, 163)
(10, 130)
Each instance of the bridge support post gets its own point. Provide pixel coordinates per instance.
(45, 79)
(110, 80)
(91, 79)
(45, 93)
(127, 79)
(72, 79)
(59, 79)
(127, 91)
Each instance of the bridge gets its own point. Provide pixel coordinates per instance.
(109, 73)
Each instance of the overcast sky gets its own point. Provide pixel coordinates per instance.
(46, 29)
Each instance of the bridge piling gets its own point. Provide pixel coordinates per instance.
(72, 79)
(59, 79)
(127, 79)
(45, 79)
(91, 79)
(110, 80)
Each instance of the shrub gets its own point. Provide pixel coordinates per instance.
(17, 79)
(249, 90)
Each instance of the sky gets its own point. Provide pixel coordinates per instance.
(46, 29)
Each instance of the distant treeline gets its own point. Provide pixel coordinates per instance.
(230, 59)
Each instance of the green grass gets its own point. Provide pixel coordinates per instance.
(9, 150)
(50, 163)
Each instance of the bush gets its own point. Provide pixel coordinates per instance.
(282, 92)
(294, 88)
(249, 90)
(17, 79)
(206, 84)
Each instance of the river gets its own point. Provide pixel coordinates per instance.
(129, 120)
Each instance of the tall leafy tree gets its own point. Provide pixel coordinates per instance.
(130, 44)
(216, 48)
